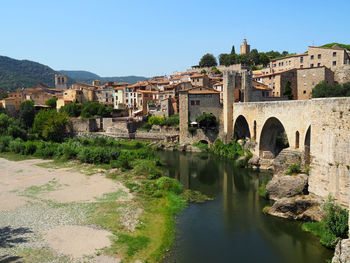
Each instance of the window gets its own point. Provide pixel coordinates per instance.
(301, 59)
(334, 63)
(312, 57)
(197, 102)
(334, 54)
(304, 91)
(319, 56)
(192, 102)
(313, 83)
(311, 65)
(318, 64)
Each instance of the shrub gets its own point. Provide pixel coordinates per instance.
(91, 109)
(230, 150)
(293, 169)
(46, 149)
(333, 227)
(29, 148)
(207, 120)
(4, 143)
(262, 190)
(192, 130)
(124, 160)
(148, 168)
(97, 154)
(169, 185)
(72, 109)
(173, 120)
(16, 132)
(51, 102)
(16, 146)
(156, 121)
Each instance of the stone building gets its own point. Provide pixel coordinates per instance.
(245, 48)
(194, 102)
(200, 80)
(119, 98)
(308, 78)
(61, 81)
(277, 81)
(335, 58)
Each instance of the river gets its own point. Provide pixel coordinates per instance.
(232, 227)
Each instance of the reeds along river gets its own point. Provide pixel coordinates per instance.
(232, 227)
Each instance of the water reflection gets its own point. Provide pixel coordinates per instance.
(232, 227)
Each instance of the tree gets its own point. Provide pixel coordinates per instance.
(26, 114)
(50, 125)
(51, 103)
(206, 120)
(72, 109)
(91, 109)
(285, 53)
(233, 50)
(224, 59)
(2, 110)
(3, 94)
(208, 60)
(324, 90)
(288, 90)
(254, 56)
(263, 59)
(9, 126)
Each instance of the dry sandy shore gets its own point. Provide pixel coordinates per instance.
(27, 223)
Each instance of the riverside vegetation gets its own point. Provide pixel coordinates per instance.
(136, 164)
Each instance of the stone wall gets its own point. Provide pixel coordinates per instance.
(83, 125)
(342, 74)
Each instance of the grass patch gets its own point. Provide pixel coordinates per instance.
(33, 191)
(133, 244)
(195, 196)
(15, 157)
(41, 255)
(262, 189)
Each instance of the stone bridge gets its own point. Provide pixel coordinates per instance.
(319, 129)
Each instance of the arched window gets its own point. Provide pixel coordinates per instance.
(297, 140)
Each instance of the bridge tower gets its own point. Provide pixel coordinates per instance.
(228, 99)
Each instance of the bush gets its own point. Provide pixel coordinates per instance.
(192, 130)
(293, 169)
(169, 185)
(262, 190)
(51, 103)
(148, 168)
(46, 149)
(207, 120)
(231, 150)
(173, 120)
(16, 146)
(98, 155)
(4, 143)
(156, 121)
(124, 160)
(29, 148)
(72, 109)
(92, 109)
(324, 90)
(333, 227)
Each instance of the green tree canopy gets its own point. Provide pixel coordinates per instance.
(324, 90)
(26, 114)
(51, 102)
(233, 50)
(10, 126)
(207, 120)
(72, 109)
(288, 90)
(208, 60)
(50, 125)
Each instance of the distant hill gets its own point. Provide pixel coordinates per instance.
(340, 45)
(88, 77)
(25, 74)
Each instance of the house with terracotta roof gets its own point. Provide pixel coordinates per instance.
(200, 80)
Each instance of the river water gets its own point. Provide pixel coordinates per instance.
(232, 227)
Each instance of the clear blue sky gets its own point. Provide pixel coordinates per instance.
(154, 37)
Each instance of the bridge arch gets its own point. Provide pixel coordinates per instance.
(273, 138)
(241, 128)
